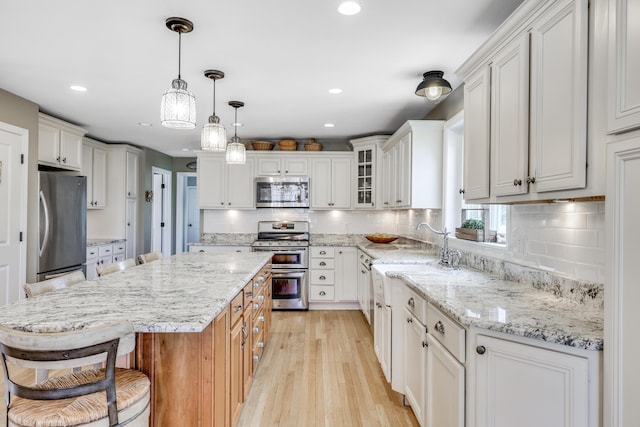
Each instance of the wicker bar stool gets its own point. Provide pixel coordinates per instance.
(115, 267)
(151, 256)
(99, 397)
(60, 282)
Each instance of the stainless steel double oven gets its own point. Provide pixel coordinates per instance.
(289, 243)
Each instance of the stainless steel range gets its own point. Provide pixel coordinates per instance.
(289, 243)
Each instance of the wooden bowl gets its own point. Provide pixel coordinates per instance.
(383, 238)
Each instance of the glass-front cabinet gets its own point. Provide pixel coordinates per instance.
(368, 173)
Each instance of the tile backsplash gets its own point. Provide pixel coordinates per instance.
(563, 238)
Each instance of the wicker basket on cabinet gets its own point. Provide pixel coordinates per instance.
(288, 145)
(312, 145)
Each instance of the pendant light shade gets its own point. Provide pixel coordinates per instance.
(214, 135)
(236, 151)
(178, 107)
(433, 87)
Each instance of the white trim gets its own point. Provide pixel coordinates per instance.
(24, 136)
(166, 210)
(181, 179)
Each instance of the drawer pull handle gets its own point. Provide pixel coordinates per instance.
(201, 250)
(481, 349)
(322, 293)
(411, 302)
(322, 264)
(323, 252)
(256, 330)
(256, 284)
(322, 278)
(238, 308)
(424, 344)
(256, 306)
(261, 318)
(260, 297)
(409, 320)
(261, 344)
(256, 358)
(439, 327)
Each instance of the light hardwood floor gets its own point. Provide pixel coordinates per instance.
(319, 369)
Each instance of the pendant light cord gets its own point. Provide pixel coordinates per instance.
(235, 130)
(179, 51)
(214, 97)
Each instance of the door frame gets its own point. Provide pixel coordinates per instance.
(166, 210)
(181, 180)
(24, 185)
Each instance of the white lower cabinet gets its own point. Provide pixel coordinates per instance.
(382, 336)
(332, 274)
(445, 387)
(364, 284)
(415, 361)
(527, 386)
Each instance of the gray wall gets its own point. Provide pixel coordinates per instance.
(23, 113)
(160, 160)
(448, 108)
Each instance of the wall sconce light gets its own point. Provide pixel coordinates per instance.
(433, 87)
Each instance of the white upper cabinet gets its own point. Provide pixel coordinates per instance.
(412, 166)
(223, 186)
(367, 161)
(526, 104)
(94, 167)
(277, 165)
(331, 182)
(624, 66)
(59, 143)
(132, 174)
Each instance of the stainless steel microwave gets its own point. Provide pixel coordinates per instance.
(282, 192)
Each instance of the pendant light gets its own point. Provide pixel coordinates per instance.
(214, 135)
(178, 107)
(236, 151)
(433, 87)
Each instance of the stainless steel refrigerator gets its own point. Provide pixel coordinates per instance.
(62, 233)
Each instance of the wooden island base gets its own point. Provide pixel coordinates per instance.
(200, 378)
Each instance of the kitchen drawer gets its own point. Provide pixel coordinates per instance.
(322, 252)
(322, 277)
(237, 306)
(118, 257)
(323, 263)
(92, 253)
(119, 248)
(321, 293)
(105, 250)
(416, 305)
(258, 301)
(447, 331)
(105, 260)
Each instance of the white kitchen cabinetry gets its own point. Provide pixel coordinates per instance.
(367, 159)
(534, 109)
(332, 275)
(331, 182)
(59, 143)
(104, 254)
(445, 372)
(412, 166)
(622, 293)
(223, 186)
(119, 218)
(382, 335)
(270, 165)
(624, 66)
(364, 284)
(132, 174)
(94, 167)
(219, 248)
(415, 353)
(529, 386)
(92, 262)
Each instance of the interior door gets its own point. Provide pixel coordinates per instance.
(192, 217)
(157, 220)
(12, 213)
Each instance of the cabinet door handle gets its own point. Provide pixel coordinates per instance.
(64, 160)
(58, 159)
(424, 344)
(517, 182)
(238, 308)
(362, 271)
(248, 294)
(531, 180)
(286, 171)
(439, 327)
(322, 264)
(322, 293)
(461, 191)
(409, 320)
(412, 302)
(481, 349)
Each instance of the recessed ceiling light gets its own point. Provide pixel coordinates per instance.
(185, 149)
(237, 124)
(349, 8)
(329, 125)
(335, 90)
(144, 124)
(78, 88)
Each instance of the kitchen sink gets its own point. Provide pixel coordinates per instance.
(382, 283)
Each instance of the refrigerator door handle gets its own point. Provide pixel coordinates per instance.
(45, 239)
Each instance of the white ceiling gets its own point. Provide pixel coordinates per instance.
(280, 57)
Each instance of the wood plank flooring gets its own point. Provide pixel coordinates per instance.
(319, 369)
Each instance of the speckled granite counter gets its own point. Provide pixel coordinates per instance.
(96, 242)
(182, 293)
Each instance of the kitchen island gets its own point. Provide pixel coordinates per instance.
(180, 309)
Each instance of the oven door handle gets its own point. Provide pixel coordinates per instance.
(294, 273)
(293, 251)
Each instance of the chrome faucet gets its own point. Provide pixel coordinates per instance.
(448, 258)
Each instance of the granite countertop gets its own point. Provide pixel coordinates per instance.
(181, 293)
(96, 242)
